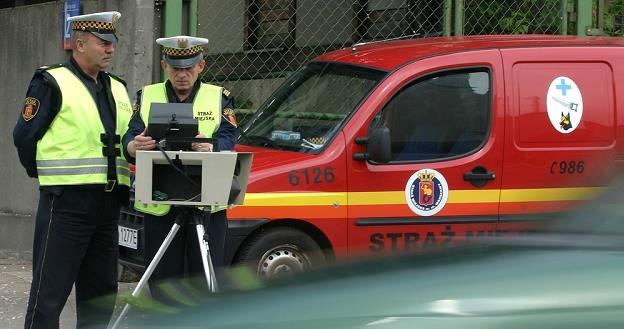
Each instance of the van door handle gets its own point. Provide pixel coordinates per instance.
(479, 176)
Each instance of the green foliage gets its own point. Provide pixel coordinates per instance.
(614, 18)
(513, 17)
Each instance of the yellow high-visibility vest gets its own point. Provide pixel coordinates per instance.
(207, 107)
(71, 151)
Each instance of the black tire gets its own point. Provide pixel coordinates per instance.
(280, 251)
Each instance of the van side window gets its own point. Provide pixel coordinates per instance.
(439, 116)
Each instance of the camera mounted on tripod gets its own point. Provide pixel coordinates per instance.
(174, 127)
(175, 175)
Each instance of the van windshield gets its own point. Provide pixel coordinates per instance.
(305, 113)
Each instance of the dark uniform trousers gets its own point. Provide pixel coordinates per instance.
(183, 253)
(75, 241)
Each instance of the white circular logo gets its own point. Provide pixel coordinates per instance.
(426, 192)
(565, 104)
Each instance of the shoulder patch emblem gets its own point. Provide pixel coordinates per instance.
(229, 115)
(31, 107)
(226, 92)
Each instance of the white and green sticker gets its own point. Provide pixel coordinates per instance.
(565, 104)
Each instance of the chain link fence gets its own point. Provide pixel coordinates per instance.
(513, 17)
(268, 39)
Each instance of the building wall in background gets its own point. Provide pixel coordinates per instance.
(31, 37)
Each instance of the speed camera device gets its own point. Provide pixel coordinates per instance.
(172, 125)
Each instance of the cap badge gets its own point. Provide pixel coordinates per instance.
(183, 43)
(115, 19)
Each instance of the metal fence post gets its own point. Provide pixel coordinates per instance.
(601, 14)
(192, 18)
(584, 16)
(459, 17)
(564, 17)
(172, 23)
(448, 16)
(173, 18)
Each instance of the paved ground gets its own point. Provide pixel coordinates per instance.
(15, 276)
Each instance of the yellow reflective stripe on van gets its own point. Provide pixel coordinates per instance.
(391, 197)
(295, 199)
(550, 194)
(398, 197)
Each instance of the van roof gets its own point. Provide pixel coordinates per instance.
(388, 55)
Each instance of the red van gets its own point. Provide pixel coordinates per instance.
(401, 145)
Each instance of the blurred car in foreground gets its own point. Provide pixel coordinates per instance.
(568, 275)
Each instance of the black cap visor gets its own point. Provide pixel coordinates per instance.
(110, 37)
(183, 62)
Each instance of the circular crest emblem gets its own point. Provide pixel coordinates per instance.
(426, 192)
(565, 104)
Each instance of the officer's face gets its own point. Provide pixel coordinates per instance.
(183, 80)
(96, 52)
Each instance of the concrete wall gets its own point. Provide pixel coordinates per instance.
(31, 37)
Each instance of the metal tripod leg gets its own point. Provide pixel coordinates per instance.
(150, 269)
(204, 248)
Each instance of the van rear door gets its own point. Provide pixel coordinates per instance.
(442, 184)
(561, 145)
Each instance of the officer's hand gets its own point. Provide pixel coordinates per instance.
(141, 142)
(201, 147)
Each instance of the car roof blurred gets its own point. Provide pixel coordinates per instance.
(567, 275)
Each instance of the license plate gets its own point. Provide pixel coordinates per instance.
(128, 237)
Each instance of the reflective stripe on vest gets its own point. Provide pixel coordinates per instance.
(70, 152)
(206, 109)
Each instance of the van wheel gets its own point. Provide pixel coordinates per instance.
(281, 251)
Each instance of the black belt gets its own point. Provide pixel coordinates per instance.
(108, 187)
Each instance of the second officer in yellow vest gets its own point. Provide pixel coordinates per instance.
(182, 62)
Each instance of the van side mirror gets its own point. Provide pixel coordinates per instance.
(378, 146)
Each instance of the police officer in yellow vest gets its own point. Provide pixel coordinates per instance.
(182, 62)
(69, 136)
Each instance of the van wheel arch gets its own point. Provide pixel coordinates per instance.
(284, 247)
